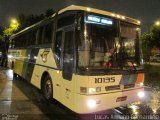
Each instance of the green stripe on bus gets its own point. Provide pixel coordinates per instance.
(29, 63)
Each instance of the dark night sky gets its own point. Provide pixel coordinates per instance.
(147, 11)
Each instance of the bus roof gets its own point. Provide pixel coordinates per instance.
(98, 11)
(87, 9)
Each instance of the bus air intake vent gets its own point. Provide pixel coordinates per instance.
(109, 88)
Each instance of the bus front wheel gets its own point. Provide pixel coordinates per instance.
(47, 88)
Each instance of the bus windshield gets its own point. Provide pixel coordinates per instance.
(130, 51)
(102, 47)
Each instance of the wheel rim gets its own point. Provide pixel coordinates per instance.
(48, 89)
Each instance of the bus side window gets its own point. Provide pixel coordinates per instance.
(40, 36)
(66, 20)
(68, 43)
(16, 42)
(58, 48)
(19, 38)
(48, 33)
(28, 39)
(13, 43)
(25, 39)
(32, 37)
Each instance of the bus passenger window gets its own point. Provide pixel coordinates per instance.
(40, 36)
(58, 48)
(24, 38)
(48, 33)
(65, 21)
(13, 43)
(68, 43)
(21, 41)
(16, 43)
(33, 37)
(28, 36)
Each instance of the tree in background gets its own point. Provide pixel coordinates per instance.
(28, 20)
(150, 40)
(1, 30)
(16, 25)
(13, 27)
(155, 34)
(24, 21)
(1, 33)
(49, 12)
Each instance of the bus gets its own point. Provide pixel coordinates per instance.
(88, 59)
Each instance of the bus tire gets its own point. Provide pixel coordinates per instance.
(47, 88)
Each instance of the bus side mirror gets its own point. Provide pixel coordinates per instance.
(67, 67)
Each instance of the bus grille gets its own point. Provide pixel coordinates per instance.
(129, 86)
(116, 87)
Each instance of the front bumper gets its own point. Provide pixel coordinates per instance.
(99, 102)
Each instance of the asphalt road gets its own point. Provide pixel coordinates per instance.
(21, 101)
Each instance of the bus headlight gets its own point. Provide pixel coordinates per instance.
(141, 94)
(91, 103)
(91, 90)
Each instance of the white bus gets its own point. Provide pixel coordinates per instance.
(87, 59)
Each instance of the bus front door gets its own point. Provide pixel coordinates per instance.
(68, 66)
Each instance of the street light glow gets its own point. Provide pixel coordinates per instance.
(158, 23)
(14, 21)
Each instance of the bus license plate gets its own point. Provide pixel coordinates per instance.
(119, 99)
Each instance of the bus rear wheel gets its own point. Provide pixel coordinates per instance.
(47, 88)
